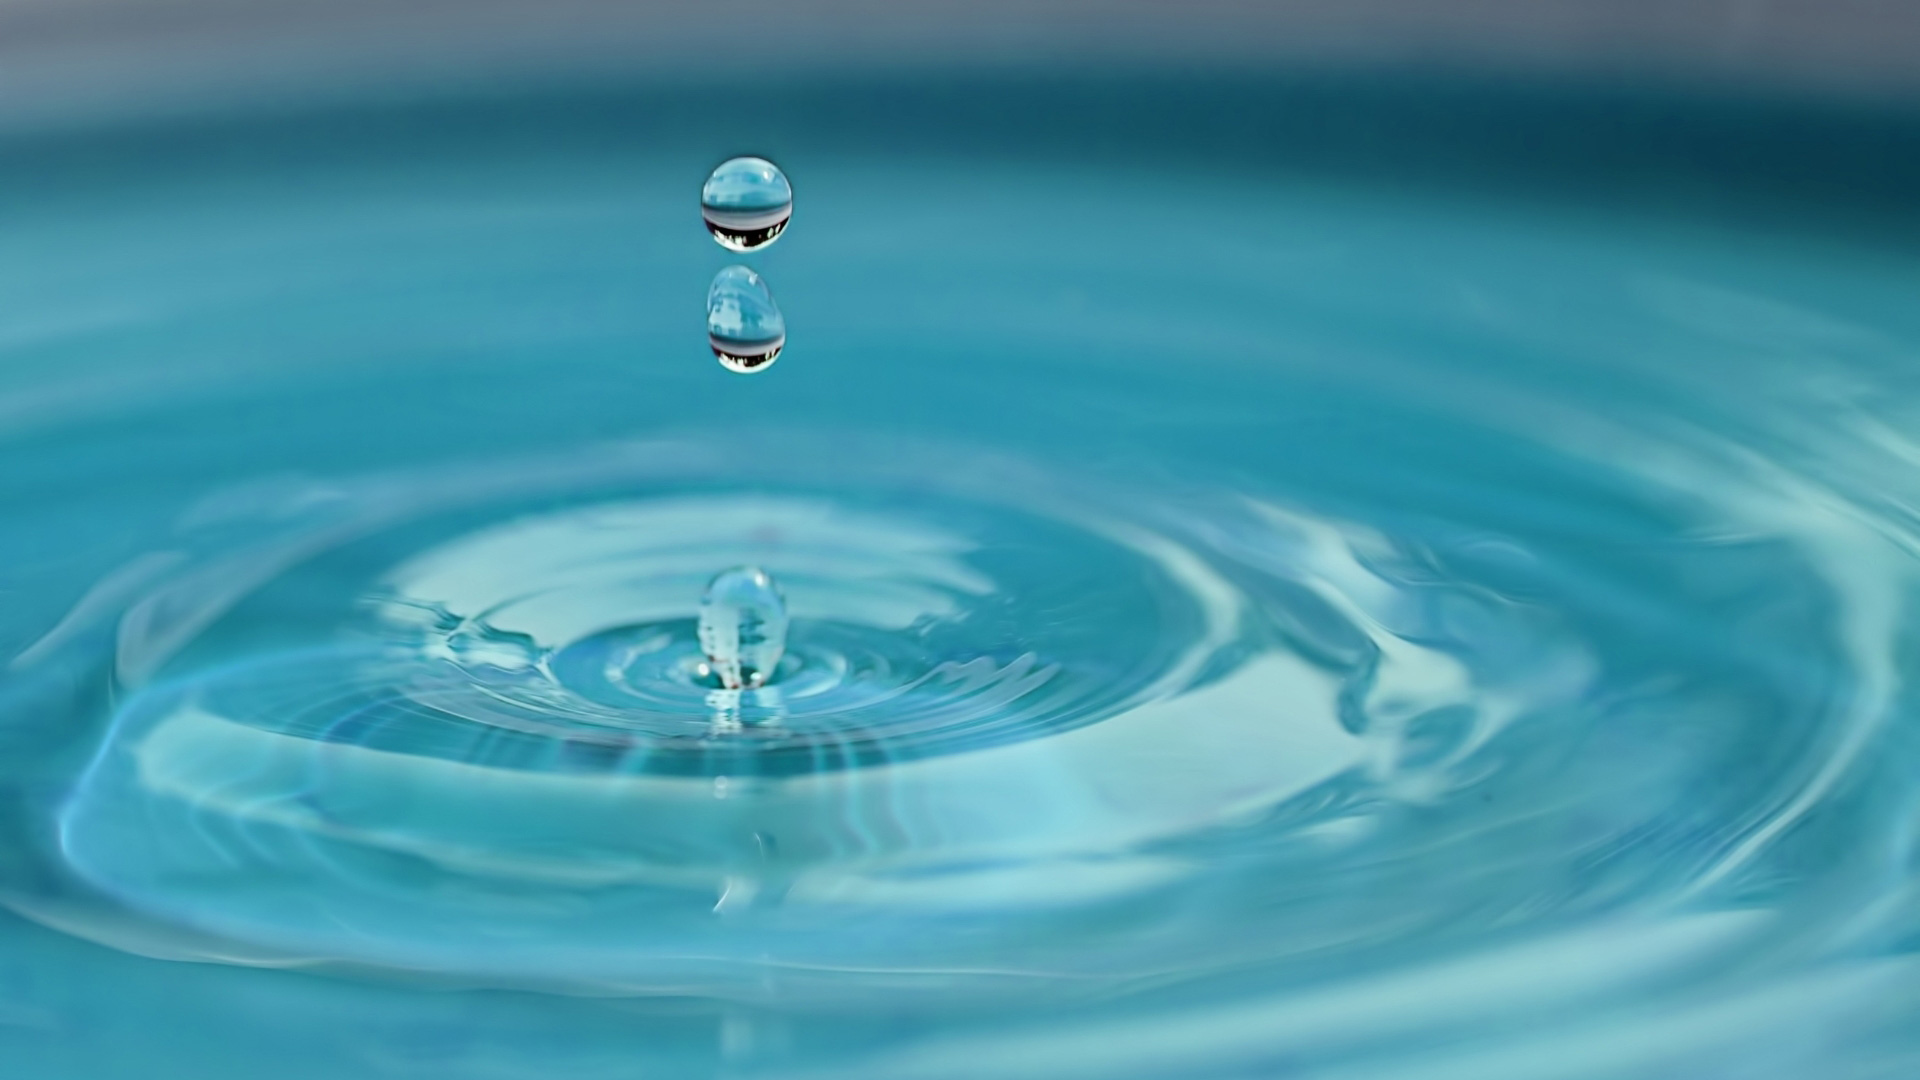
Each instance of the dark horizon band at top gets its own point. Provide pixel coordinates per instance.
(61, 59)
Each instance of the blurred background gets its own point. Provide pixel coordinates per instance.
(67, 58)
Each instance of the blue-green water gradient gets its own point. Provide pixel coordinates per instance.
(1297, 579)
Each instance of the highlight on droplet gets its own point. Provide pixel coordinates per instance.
(746, 203)
(743, 627)
(744, 326)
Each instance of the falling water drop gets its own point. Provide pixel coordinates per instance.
(746, 203)
(744, 326)
(743, 627)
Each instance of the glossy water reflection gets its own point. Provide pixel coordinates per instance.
(746, 203)
(744, 327)
(1400, 636)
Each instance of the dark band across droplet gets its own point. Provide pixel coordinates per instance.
(744, 326)
(746, 203)
(745, 239)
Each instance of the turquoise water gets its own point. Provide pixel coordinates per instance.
(1280, 585)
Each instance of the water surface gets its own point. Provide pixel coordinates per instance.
(1254, 611)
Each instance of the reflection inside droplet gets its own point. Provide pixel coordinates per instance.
(744, 326)
(746, 203)
(743, 628)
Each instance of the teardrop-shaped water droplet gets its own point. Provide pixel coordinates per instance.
(746, 203)
(743, 627)
(744, 327)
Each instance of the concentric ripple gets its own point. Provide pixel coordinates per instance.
(1398, 637)
(992, 705)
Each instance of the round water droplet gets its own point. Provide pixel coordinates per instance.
(743, 627)
(744, 326)
(746, 203)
